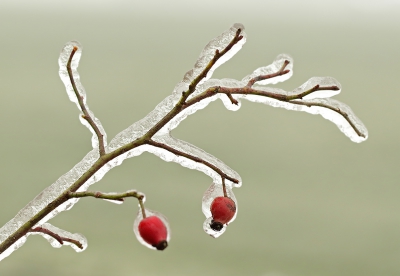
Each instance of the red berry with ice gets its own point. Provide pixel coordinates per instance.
(220, 207)
(154, 232)
(223, 209)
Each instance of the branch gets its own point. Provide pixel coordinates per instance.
(192, 87)
(108, 196)
(233, 101)
(192, 157)
(57, 237)
(292, 99)
(91, 167)
(86, 114)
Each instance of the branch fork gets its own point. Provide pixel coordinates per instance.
(57, 237)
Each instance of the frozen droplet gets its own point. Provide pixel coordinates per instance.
(207, 228)
(118, 202)
(149, 213)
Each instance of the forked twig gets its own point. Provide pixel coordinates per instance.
(57, 237)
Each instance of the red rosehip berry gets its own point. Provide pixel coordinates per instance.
(223, 210)
(154, 232)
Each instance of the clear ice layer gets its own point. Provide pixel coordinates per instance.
(139, 128)
(149, 213)
(215, 190)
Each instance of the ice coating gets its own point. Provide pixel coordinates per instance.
(149, 213)
(215, 190)
(20, 242)
(62, 61)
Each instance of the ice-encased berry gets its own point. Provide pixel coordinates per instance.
(223, 209)
(154, 232)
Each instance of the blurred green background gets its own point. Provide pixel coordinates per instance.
(312, 202)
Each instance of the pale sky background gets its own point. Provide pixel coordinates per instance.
(205, 5)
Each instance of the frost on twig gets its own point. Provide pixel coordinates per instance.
(152, 133)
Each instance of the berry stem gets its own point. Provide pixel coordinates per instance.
(142, 207)
(224, 187)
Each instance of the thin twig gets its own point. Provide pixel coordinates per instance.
(57, 237)
(233, 101)
(218, 54)
(194, 158)
(335, 109)
(85, 115)
(313, 89)
(111, 196)
(281, 72)
(108, 196)
(142, 207)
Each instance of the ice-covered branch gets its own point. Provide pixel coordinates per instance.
(152, 133)
(260, 78)
(69, 60)
(55, 236)
(193, 158)
(214, 62)
(119, 197)
(312, 97)
(86, 114)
